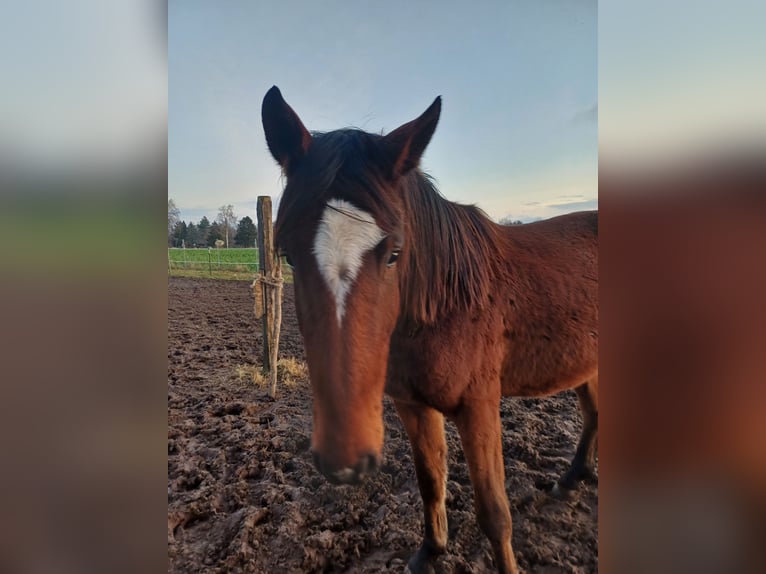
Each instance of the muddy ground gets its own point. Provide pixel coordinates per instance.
(243, 495)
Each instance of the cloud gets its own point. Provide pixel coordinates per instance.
(575, 205)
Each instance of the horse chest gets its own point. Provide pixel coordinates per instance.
(438, 370)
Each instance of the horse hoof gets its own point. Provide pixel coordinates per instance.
(419, 565)
(561, 492)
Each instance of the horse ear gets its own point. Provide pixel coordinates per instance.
(405, 145)
(286, 136)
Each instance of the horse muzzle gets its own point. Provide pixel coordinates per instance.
(367, 465)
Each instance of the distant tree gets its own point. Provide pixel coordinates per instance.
(246, 232)
(179, 233)
(508, 220)
(214, 233)
(203, 227)
(192, 235)
(227, 221)
(174, 215)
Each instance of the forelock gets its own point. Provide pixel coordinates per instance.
(342, 164)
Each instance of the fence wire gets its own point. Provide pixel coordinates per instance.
(236, 262)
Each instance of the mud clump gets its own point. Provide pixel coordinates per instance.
(243, 494)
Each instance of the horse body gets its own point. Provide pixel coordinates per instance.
(400, 291)
(536, 334)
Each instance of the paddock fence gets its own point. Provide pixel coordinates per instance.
(240, 263)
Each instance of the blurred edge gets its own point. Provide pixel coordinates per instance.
(83, 190)
(83, 339)
(682, 197)
(682, 447)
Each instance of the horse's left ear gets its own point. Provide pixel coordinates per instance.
(405, 145)
(286, 136)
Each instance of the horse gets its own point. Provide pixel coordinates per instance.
(400, 291)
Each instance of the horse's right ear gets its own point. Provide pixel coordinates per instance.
(405, 145)
(286, 136)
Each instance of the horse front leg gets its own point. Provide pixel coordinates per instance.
(425, 428)
(479, 426)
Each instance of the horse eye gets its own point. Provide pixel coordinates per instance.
(393, 257)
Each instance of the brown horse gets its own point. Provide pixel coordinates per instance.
(400, 291)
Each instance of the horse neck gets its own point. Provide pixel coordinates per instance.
(454, 254)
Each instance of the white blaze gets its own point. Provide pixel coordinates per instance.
(344, 235)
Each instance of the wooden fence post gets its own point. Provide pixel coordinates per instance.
(269, 289)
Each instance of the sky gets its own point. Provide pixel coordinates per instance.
(518, 131)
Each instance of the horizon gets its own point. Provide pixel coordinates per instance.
(196, 215)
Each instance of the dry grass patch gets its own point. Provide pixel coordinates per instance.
(290, 371)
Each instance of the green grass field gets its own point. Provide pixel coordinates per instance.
(236, 263)
(243, 259)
